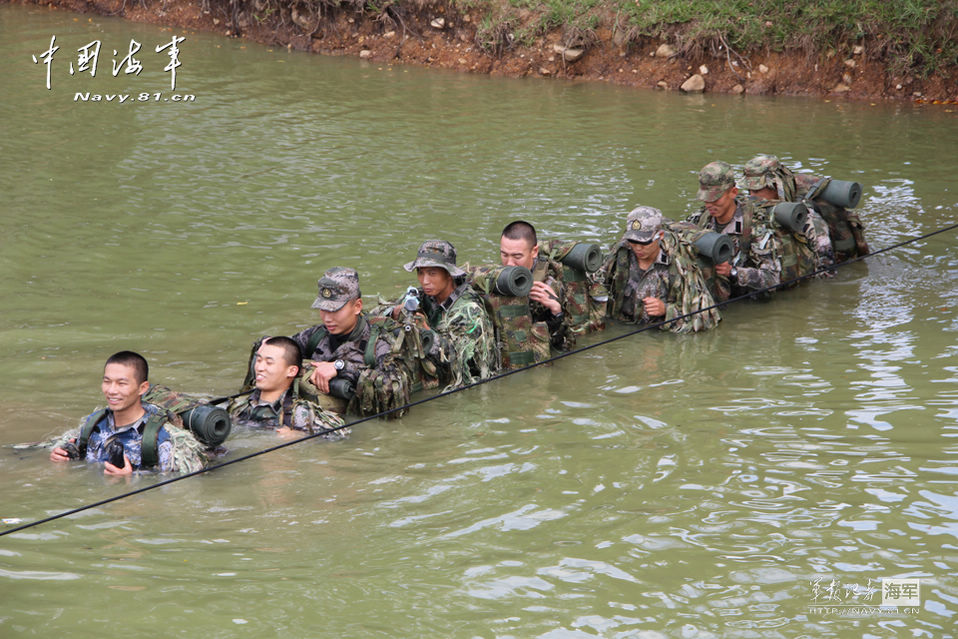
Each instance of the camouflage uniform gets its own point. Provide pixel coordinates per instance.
(337, 287)
(290, 410)
(583, 296)
(550, 272)
(351, 348)
(465, 343)
(756, 249)
(845, 228)
(674, 278)
(177, 450)
(766, 171)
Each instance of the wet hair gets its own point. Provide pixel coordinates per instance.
(135, 361)
(521, 230)
(291, 351)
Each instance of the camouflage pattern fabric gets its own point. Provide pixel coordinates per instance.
(290, 410)
(797, 255)
(177, 449)
(410, 366)
(584, 295)
(349, 348)
(521, 340)
(845, 228)
(767, 171)
(755, 250)
(464, 333)
(674, 278)
(561, 333)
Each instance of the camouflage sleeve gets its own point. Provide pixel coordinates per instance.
(302, 338)
(764, 269)
(354, 360)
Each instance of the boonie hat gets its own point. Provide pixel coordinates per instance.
(760, 172)
(436, 253)
(642, 224)
(715, 179)
(337, 286)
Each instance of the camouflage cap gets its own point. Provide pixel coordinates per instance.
(436, 253)
(337, 286)
(760, 172)
(642, 224)
(715, 179)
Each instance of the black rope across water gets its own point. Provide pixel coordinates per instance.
(460, 389)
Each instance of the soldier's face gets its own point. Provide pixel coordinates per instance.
(517, 252)
(272, 370)
(436, 282)
(646, 252)
(121, 387)
(343, 321)
(723, 208)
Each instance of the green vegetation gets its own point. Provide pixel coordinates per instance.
(908, 36)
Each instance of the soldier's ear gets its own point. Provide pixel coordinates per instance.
(359, 305)
(535, 251)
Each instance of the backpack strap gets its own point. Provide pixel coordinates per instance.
(149, 445)
(369, 356)
(321, 333)
(87, 429)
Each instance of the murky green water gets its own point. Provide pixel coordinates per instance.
(709, 485)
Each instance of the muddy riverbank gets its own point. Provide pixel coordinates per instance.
(465, 37)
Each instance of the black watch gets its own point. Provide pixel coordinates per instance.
(339, 364)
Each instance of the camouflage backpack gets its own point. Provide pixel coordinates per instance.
(690, 235)
(520, 340)
(845, 228)
(798, 259)
(409, 368)
(585, 296)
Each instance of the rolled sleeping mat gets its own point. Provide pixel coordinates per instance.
(841, 193)
(209, 424)
(716, 247)
(342, 388)
(428, 339)
(584, 256)
(790, 215)
(513, 281)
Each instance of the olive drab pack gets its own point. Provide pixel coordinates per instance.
(689, 234)
(584, 296)
(845, 228)
(521, 341)
(798, 258)
(409, 367)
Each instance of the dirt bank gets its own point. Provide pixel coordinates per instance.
(444, 34)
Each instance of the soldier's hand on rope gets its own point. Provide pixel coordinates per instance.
(724, 269)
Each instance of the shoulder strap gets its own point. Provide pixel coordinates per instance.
(747, 220)
(149, 453)
(87, 429)
(369, 356)
(314, 341)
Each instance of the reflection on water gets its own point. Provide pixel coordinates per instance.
(729, 484)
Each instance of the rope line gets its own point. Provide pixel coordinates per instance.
(471, 385)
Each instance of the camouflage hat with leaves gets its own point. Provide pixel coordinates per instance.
(337, 286)
(760, 172)
(436, 253)
(715, 179)
(642, 224)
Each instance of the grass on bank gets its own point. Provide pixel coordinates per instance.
(918, 37)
